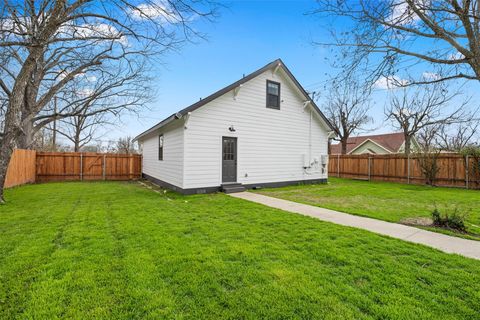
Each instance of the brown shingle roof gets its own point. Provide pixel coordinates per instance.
(390, 141)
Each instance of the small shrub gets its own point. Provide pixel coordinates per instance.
(472, 153)
(452, 220)
(428, 161)
(436, 217)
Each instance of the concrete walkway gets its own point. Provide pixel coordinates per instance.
(448, 244)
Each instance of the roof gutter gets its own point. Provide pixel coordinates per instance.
(331, 134)
(173, 117)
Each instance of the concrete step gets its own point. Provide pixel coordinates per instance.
(233, 190)
(233, 187)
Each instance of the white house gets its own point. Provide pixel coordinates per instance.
(261, 131)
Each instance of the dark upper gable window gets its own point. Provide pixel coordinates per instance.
(160, 147)
(273, 95)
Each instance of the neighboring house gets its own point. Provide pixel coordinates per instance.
(263, 130)
(376, 144)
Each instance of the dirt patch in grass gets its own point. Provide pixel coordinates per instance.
(418, 221)
(427, 223)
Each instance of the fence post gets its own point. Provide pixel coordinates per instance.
(369, 167)
(130, 166)
(408, 168)
(338, 166)
(104, 167)
(467, 165)
(81, 166)
(35, 167)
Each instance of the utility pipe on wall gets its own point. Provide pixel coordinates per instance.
(310, 141)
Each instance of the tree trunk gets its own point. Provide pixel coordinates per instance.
(7, 144)
(25, 139)
(13, 116)
(408, 144)
(343, 142)
(5, 155)
(76, 142)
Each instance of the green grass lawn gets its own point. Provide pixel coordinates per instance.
(386, 201)
(120, 251)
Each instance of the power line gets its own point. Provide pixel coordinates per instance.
(317, 85)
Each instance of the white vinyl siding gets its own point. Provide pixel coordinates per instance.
(170, 169)
(270, 142)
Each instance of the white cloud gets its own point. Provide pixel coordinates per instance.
(405, 112)
(86, 30)
(160, 11)
(86, 92)
(94, 30)
(62, 75)
(402, 13)
(430, 76)
(456, 56)
(16, 25)
(390, 82)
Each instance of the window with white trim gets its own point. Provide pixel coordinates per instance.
(273, 95)
(160, 147)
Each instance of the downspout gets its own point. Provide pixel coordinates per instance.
(310, 140)
(185, 141)
(330, 136)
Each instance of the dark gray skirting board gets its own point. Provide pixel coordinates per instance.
(216, 189)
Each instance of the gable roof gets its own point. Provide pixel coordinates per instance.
(390, 142)
(275, 63)
(374, 143)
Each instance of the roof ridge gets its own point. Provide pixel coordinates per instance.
(218, 93)
(378, 134)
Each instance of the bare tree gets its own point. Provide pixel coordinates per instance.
(82, 128)
(101, 92)
(427, 138)
(394, 35)
(96, 104)
(415, 109)
(126, 145)
(346, 107)
(47, 44)
(457, 137)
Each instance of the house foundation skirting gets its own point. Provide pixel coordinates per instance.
(216, 189)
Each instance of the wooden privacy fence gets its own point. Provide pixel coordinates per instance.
(70, 166)
(454, 170)
(28, 166)
(21, 169)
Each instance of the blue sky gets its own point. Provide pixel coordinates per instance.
(246, 36)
